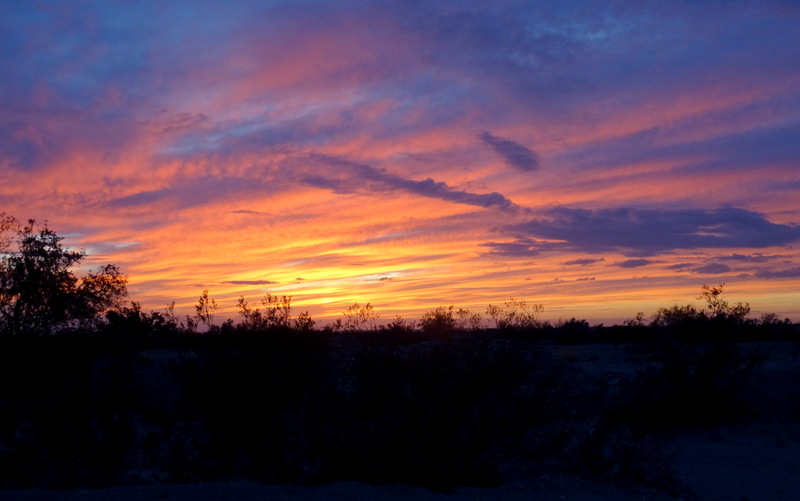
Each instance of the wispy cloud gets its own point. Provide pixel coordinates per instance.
(712, 269)
(787, 273)
(183, 193)
(634, 263)
(514, 154)
(522, 247)
(249, 282)
(745, 258)
(582, 261)
(649, 231)
(359, 176)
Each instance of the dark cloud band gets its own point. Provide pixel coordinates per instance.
(649, 232)
(514, 154)
(352, 177)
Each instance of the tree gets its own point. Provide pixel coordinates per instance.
(6, 225)
(39, 293)
(719, 308)
(205, 309)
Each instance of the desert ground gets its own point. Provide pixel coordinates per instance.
(754, 455)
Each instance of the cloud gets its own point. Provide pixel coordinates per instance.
(634, 263)
(717, 265)
(514, 154)
(181, 121)
(192, 193)
(645, 232)
(522, 247)
(250, 212)
(790, 273)
(582, 262)
(712, 269)
(519, 248)
(249, 282)
(354, 177)
(751, 148)
(756, 258)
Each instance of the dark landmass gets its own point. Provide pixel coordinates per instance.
(704, 410)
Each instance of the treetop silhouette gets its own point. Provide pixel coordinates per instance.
(40, 293)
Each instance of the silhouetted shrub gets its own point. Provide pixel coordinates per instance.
(515, 314)
(131, 320)
(399, 326)
(574, 331)
(359, 318)
(276, 313)
(438, 320)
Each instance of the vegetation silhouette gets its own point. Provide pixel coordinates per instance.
(133, 397)
(516, 315)
(40, 294)
(358, 318)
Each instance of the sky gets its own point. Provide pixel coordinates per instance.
(599, 158)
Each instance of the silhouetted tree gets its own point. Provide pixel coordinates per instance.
(39, 293)
(6, 225)
(719, 308)
(205, 309)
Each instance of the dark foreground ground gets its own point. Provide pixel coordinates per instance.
(346, 491)
(366, 416)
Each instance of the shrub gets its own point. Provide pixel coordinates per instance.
(359, 318)
(400, 326)
(440, 319)
(132, 320)
(275, 315)
(468, 321)
(516, 314)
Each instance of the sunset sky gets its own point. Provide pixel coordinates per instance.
(600, 158)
